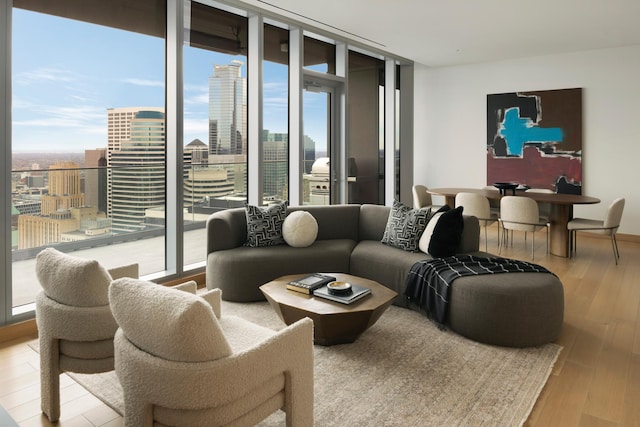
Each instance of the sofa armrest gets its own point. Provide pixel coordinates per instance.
(226, 229)
(470, 241)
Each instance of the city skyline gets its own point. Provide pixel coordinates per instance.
(62, 89)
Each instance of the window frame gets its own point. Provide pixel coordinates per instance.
(174, 87)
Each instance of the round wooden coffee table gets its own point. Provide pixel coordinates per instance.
(333, 322)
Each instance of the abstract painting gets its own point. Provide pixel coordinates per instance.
(535, 139)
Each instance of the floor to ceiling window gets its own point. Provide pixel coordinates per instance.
(321, 120)
(365, 150)
(86, 121)
(318, 126)
(275, 111)
(215, 119)
(88, 143)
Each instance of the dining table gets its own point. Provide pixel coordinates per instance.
(560, 215)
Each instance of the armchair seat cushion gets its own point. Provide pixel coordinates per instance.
(100, 349)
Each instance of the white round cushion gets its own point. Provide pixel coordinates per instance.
(300, 229)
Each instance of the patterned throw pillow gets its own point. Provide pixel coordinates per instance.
(264, 224)
(405, 226)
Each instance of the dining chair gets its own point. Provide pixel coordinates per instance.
(544, 208)
(521, 214)
(494, 204)
(422, 198)
(608, 226)
(478, 205)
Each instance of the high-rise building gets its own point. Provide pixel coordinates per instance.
(95, 178)
(137, 172)
(64, 188)
(275, 181)
(196, 153)
(228, 123)
(202, 181)
(119, 124)
(227, 109)
(41, 230)
(309, 153)
(63, 211)
(119, 130)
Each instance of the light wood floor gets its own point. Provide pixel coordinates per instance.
(595, 382)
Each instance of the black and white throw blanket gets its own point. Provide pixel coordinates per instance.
(428, 281)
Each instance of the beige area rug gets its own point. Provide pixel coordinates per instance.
(403, 371)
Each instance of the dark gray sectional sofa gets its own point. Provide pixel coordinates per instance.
(486, 308)
(348, 242)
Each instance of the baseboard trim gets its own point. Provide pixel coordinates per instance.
(620, 237)
(199, 278)
(18, 330)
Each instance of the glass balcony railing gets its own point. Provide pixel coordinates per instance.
(115, 215)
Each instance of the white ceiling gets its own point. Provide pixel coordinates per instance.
(452, 32)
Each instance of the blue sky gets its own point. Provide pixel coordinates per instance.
(66, 74)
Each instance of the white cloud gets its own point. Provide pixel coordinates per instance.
(144, 82)
(192, 126)
(280, 87)
(198, 99)
(45, 74)
(276, 102)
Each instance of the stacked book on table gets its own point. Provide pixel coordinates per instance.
(357, 293)
(310, 283)
(316, 284)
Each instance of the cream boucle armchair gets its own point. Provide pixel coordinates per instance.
(75, 324)
(181, 363)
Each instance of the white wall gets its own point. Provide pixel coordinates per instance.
(450, 121)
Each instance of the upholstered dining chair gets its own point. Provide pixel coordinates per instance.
(75, 324)
(422, 198)
(609, 226)
(478, 205)
(494, 204)
(521, 214)
(180, 362)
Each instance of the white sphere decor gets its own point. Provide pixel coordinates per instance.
(300, 229)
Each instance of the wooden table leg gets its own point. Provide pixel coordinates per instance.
(450, 200)
(559, 217)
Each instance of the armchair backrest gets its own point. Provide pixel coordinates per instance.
(167, 323)
(71, 280)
